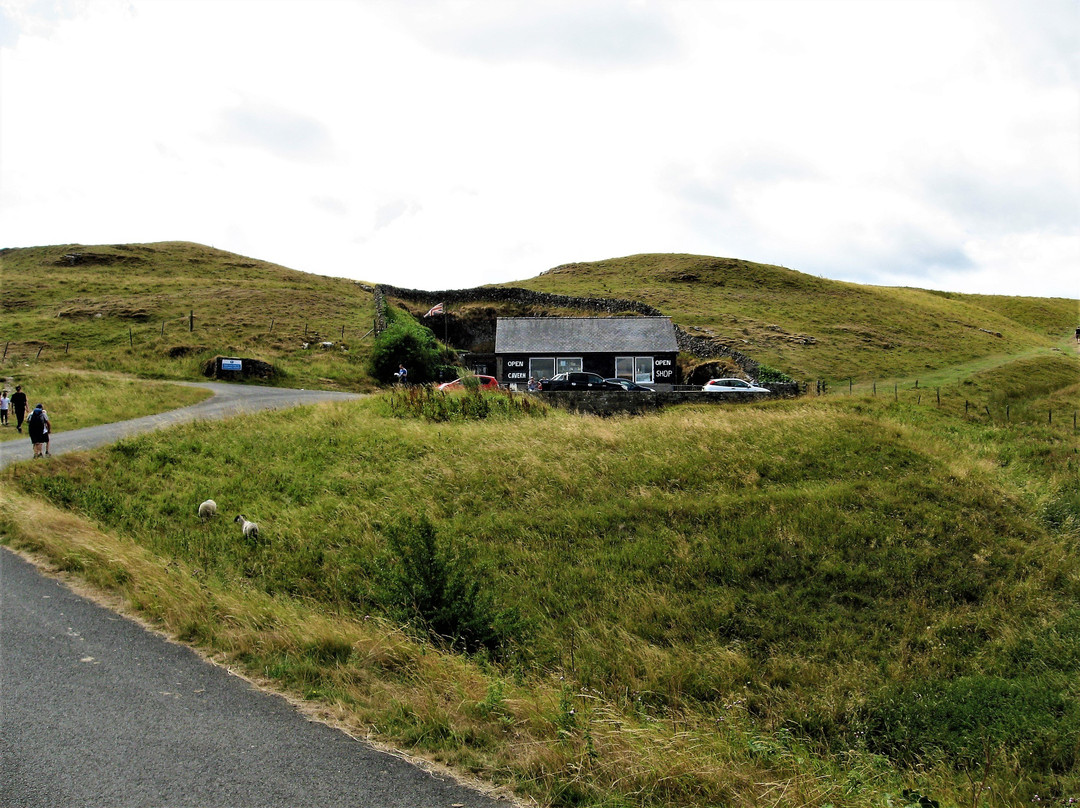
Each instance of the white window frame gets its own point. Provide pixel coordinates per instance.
(635, 375)
(643, 378)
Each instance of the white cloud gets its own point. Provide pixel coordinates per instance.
(444, 144)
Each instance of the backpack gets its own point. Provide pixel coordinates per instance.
(36, 419)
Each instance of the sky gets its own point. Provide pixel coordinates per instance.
(436, 145)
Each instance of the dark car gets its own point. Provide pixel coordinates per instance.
(577, 381)
(630, 387)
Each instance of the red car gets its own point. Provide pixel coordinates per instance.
(482, 382)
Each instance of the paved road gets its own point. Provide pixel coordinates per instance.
(228, 399)
(96, 711)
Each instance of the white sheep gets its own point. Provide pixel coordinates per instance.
(208, 509)
(251, 530)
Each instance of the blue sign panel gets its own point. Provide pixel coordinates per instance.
(231, 364)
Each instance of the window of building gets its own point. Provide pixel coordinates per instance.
(643, 369)
(543, 368)
(635, 368)
(568, 364)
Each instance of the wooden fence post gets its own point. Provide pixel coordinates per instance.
(39, 350)
(131, 339)
(939, 396)
(271, 325)
(6, 344)
(163, 328)
(191, 321)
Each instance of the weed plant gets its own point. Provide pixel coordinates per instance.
(424, 401)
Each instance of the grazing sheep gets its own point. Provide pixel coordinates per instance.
(251, 530)
(208, 509)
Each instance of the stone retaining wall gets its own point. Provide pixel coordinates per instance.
(612, 403)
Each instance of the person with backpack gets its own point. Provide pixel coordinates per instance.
(38, 426)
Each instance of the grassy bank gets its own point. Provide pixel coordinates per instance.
(813, 602)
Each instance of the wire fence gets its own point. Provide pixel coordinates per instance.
(995, 409)
(308, 333)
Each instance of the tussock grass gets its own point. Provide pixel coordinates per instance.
(719, 605)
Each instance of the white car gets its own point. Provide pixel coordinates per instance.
(732, 386)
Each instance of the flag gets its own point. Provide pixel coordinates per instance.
(437, 309)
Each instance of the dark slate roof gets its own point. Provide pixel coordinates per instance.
(536, 335)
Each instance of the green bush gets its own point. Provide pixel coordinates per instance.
(437, 585)
(406, 342)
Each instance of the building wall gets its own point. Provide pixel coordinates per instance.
(514, 368)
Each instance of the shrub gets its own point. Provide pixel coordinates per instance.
(437, 585)
(406, 342)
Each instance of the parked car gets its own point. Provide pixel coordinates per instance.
(732, 386)
(630, 387)
(577, 381)
(482, 382)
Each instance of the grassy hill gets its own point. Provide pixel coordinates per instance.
(161, 310)
(849, 599)
(812, 327)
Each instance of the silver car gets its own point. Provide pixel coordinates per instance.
(732, 386)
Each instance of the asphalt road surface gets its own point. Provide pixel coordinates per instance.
(97, 711)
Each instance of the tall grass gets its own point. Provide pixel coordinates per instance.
(812, 594)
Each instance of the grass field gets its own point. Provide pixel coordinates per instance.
(862, 598)
(865, 596)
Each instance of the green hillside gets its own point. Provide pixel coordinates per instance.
(163, 309)
(812, 327)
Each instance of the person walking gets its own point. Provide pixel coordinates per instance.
(5, 405)
(18, 403)
(38, 427)
(402, 374)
